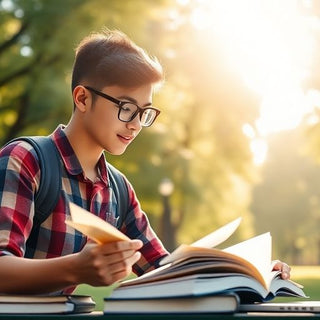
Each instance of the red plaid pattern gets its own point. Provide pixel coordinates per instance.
(19, 181)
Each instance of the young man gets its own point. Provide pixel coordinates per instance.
(112, 85)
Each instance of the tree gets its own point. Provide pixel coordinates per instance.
(197, 141)
(286, 202)
(33, 59)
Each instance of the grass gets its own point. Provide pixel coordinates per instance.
(308, 276)
(97, 293)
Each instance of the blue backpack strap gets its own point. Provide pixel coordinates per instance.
(50, 177)
(50, 181)
(121, 193)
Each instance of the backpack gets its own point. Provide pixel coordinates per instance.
(50, 182)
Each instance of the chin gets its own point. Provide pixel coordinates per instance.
(116, 152)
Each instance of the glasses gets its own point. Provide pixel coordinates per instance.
(129, 110)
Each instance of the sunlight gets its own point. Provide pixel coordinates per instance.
(258, 147)
(270, 44)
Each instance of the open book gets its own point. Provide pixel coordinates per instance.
(199, 268)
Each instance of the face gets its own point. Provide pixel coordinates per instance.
(101, 119)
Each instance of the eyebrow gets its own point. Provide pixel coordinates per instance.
(133, 101)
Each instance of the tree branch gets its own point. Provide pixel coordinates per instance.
(23, 106)
(14, 37)
(28, 68)
(18, 73)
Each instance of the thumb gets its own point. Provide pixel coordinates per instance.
(90, 241)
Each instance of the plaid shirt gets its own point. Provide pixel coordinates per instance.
(19, 181)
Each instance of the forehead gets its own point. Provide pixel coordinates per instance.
(140, 94)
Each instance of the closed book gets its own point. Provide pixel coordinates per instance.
(31, 304)
(224, 303)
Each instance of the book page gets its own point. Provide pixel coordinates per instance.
(257, 251)
(209, 241)
(92, 226)
(218, 236)
(190, 260)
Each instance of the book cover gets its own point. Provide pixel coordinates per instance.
(223, 303)
(32, 304)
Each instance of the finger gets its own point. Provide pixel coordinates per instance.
(283, 268)
(285, 271)
(277, 264)
(125, 266)
(119, 246)
(118, 257)
(132, 244)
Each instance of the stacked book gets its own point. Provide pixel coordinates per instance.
(196, 278)
(32, 304)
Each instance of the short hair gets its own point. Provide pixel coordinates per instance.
(111, 58)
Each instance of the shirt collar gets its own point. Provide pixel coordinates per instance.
(69, 157)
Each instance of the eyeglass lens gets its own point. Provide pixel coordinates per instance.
(128, 111)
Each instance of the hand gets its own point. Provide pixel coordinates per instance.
(283, 268)
(104, 264)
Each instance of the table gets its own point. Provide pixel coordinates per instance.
(100, 316)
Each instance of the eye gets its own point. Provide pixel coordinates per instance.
(129, 107)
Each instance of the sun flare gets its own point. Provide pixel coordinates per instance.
(270, 44)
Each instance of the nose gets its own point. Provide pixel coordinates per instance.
(135, 123)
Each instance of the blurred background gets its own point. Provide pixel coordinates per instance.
(239, 132)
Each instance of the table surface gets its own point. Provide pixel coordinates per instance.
(101, 316)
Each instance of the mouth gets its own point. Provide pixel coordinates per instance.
(125, 139)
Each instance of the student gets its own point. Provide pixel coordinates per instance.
(113, 81)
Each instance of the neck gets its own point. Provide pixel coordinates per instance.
(87, 152)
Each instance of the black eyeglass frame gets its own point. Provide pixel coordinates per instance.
(120, 105)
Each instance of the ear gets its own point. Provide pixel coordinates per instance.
(81, 98)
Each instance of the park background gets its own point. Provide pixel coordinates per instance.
(239, 131)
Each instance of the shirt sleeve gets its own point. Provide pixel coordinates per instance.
(137, 226)
(19, 180)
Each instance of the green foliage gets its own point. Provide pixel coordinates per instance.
(197, 142)
(34, 55)
(286, 202)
